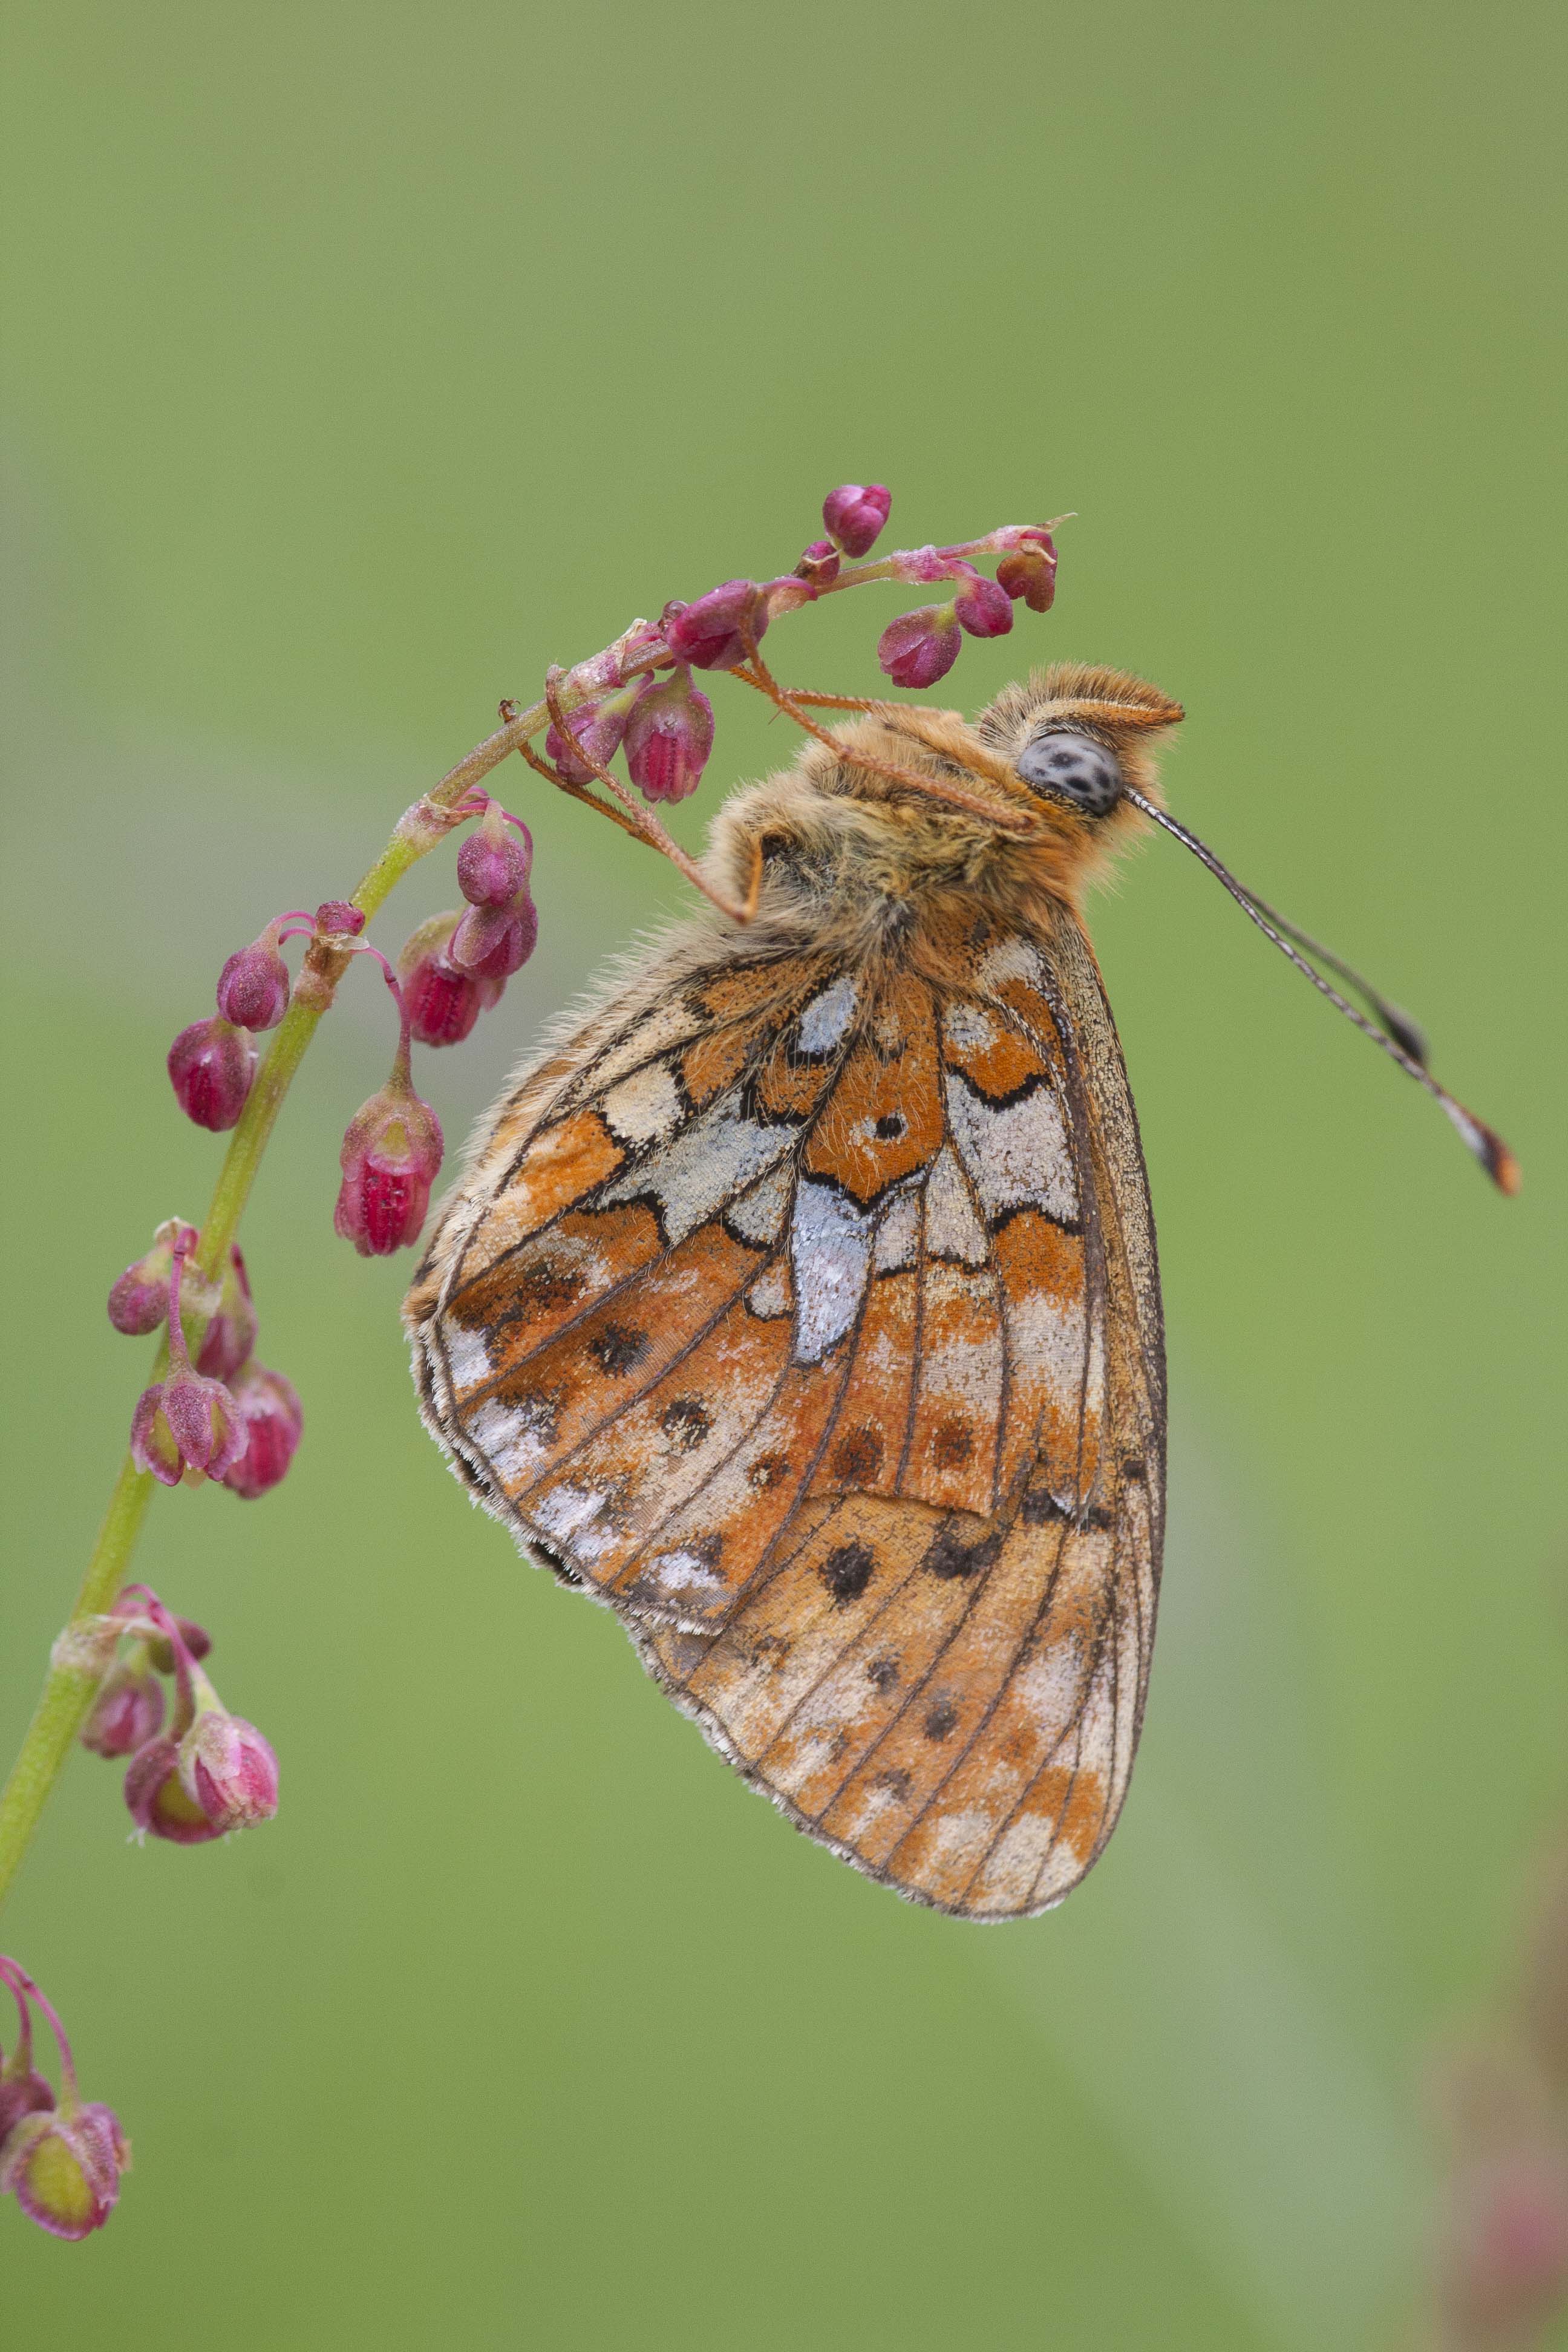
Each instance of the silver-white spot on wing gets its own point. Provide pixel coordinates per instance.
(826, 1019)
(645, 1105)
(467, 1355)
(830, 1247)
(1016, 1152)
(898, 1235)
(702, 1167)
(759, 1215)
(952, 1229)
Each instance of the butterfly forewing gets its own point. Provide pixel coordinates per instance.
(808, 1314)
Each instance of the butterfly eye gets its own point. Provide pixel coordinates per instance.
(1076, 766)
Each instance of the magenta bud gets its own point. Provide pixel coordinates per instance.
(443, 1002)
(669, 738)
(231, 1334)
(23, 2092)
(391, 1155)
(127, 1713)
(1030, 573)
(492, 866)
(139, 1301)
(818, 565)
(211, 1065)
(252, 986)
(598, 727)
(186, 1427)
(492, 942)
(273, 1420)
(711, 634)
(340, 915)
(63, 2167)
(160, 1650)
(854, 515)
(228, 1771)
(983, 607)
(919, 647)
(158, 1801)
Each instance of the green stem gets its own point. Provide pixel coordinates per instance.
(71, 1686)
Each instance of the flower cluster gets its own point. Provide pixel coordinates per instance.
(60, 2156)
(210, 1771)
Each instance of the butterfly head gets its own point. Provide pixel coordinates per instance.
(1076, 738)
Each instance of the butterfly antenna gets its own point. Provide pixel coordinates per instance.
(1397, 1035)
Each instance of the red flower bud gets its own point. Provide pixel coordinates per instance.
(493, 864)
(1031, 574)
(186, 1427)
(140, 1299)
(983, 606)
(492, 942)
(273, 1420)
(127, 1713)
(229, 1770)
(598, 725)
(64, 2167)
(391, 1154)
(340, 915)
(854, 515)
(231, 1334)
(442, 1001)
(158, 1803)
(669, 738)
(252, 986)
(919, 647)
(196, 1639)
(712, 633)
(818, 565)
(211, 1065)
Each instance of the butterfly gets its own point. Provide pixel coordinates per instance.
(802, 1303)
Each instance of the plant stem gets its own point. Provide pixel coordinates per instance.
(71, 1686)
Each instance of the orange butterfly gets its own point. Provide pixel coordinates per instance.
(803, 1305)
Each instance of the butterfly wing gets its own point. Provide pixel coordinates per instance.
(809, 1315)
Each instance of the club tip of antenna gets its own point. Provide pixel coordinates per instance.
(1487, 1144)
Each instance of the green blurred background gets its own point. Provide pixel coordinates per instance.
(361, 360)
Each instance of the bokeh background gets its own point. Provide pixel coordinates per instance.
(362, 359)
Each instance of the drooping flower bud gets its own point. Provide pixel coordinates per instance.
(712, 633)
(64, 2167)
(494, 862)
(597, 726)
(391, 1155)
(670, 737)
(127, 1713)
(983, 606)
(443, 1001)
(159, 1802)
(1030, 573)
(184, 1426)
(229, 1770)
(231, 1334)
(339, 915)
(252, 986)
(492, 942)
(140, 1299)
(197, 1641)
(211, 1065)
(23, 2090)
(819, 563)
(854, 515)
(919, 647)
(271, 1411)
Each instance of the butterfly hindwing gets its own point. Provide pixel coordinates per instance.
(807, 1314)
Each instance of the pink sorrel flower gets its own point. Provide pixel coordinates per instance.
(983, 607)
(231, 1335)
(127, 1713)
(854, 515)
(597, 726)
(391, 1156)
(229, 1769)
(252, 986)
(1031, 572)
(211, 1065)
(184, 1426)
(712, 633)
(270, 1410)
(819, 563)
(919, 647)
(668, 738)
(139, 1301)
(63, 2163)
(443, 1000)
(493, 864)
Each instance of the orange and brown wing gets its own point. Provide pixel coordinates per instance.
(810, 1322)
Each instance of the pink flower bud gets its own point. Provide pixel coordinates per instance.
(668, 738)
(492, 942)
(712, 633)
(443, 1002)
(22, 2093)
(390, 1158)
(139, 1301)
(211, 1065)
(229, 1770)
(186, 1427)
(64, 2167)
(854, 516)
(818, 565)
(273, 1420)
(598, 727)
(493, 864)
(159, 1802)
(1030, 573)
(252, 986)
(919, 647)
(340, 915)
(196, 1639)
(983, 607)
(231, 1334)
(127, 1713)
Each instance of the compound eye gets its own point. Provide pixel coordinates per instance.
(1076, 766)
